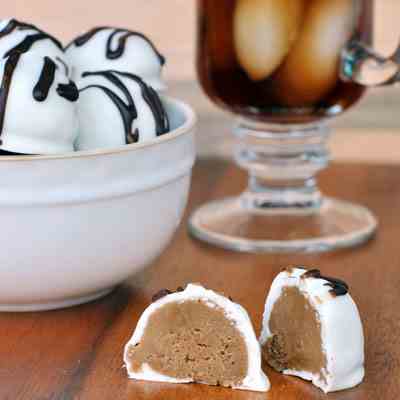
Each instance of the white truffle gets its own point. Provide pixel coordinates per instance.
(37, 111)
(116, 49)
(117, 108)
(255, 379)
(14, 33)
(340, 327)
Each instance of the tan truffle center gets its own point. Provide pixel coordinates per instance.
(296, 343)
(192, 340)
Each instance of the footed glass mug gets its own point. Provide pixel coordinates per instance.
(284, 68)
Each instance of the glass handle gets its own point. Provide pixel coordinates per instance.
(365, 66)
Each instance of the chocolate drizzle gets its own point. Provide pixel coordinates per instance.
(83, 39)
(68, 90)
(13, 56)
(64, 64)
(13, 25)
(152, 99)
(26, 44)
(118, 52)
(165, 292)
(46, 80)
(9, 68)
(160, 294)
(128, 109)
(338, 287)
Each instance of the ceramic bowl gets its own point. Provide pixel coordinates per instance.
(74, 226)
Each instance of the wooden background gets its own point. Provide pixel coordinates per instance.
(76, 354)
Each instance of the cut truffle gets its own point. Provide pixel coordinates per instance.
(196, 335)
(312, 329)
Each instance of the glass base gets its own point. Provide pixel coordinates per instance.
(232, 224)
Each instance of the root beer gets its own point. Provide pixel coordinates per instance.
(278, 60)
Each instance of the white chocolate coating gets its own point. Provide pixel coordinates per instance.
(341, 330)
(101, 124)
(255, 379)
(41, 48)
(138, 58)
(37, 127)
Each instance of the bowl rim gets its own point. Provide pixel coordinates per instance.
(186, 127)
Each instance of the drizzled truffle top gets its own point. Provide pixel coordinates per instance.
(116, 41)
(338, 287)
(32, 72)
(126, 108)
(21, 36)
(107, 48)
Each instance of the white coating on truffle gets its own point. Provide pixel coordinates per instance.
(43, 48)
(341, 330)
(255, 379)
(100, 122)
(37, 127)
(139, 57)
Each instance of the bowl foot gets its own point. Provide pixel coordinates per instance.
(54, 305)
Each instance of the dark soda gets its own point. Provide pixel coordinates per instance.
(278, 61)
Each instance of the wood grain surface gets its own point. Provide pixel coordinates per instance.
(77, 353)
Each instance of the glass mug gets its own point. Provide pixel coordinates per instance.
(284, 68)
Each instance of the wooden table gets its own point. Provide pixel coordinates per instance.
(77, 353)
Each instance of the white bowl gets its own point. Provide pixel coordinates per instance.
(74, 226)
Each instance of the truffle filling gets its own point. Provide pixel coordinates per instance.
(296, 342)
(192, 340)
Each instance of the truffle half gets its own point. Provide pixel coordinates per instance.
(312, 329)
(196, 335)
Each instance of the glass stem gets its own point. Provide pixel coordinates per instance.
(282, 163)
